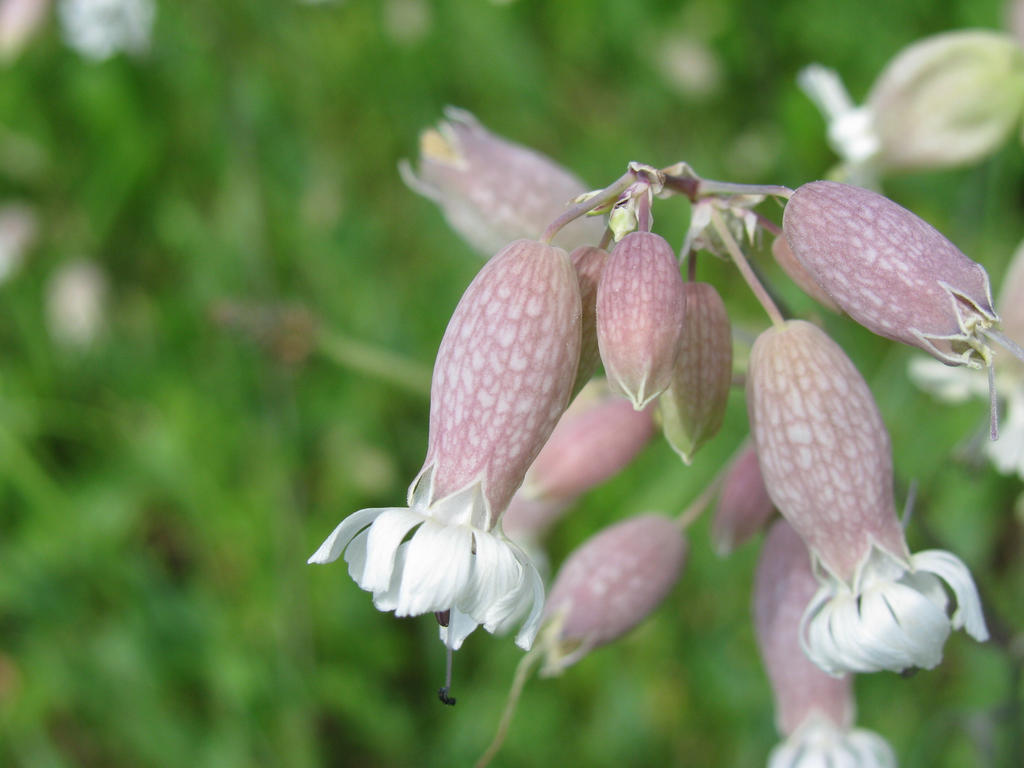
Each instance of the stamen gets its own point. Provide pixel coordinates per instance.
(443, 692)
(993, 405)
(908, 506)
(1005, 342)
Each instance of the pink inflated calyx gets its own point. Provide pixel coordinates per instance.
(824, 451)
(609, 585)
(891, 271)
(504, 372)
(785, 258)
(493, 191)
(814, 712)
(589, 261)
(744, 506)
(640, 308)
(827, 464)
(503, 376)
(693, 407)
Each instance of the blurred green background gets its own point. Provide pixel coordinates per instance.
(272, 297)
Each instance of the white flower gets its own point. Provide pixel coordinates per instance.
(99, 29)
(76, 298)
(452, 561)
(894, 617)
(819, 743)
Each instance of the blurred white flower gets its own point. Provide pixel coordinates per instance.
(690, 66)
(99, 29)
(407, 21)
(76, 298)
(19, 21)
(18, 229)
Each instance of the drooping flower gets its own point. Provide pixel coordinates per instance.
(493, 191)
(641, 303)
(502, 379)
(944, 101)
(826, 460)
(892, 272)
(693, 407)
(744, 506)
(610, 584)
(814, 712)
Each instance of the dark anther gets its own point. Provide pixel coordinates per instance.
(442, 694)
(442, 617)
(909, 672)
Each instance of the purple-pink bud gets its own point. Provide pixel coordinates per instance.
(791, 266)
(504, 372)
(610, 584)
(743, 504)
(590, 444)
(784, 585)
(891, 271)
(693, 407)
(640, 308)
(589, 263)
(824, 451)
(493, 191)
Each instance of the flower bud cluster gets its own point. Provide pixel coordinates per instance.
(838, 589)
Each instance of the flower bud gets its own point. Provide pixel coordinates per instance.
(948, 100)
(493, 191)
(813, 711)
(891, 271)
(784, 258)
(609, 585)
(591, 443)
(827, 464)
(640, 308)
(693, 407)
(743, 503)
(502, 379)
(589, 263)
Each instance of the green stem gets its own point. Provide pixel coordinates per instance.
(375, 362)
(602, 198)
(744, 267)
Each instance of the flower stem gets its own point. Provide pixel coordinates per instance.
(748, 274)
(605, 196)
(375, 362)
(523, 670)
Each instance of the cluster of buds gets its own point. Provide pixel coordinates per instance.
(838, 590)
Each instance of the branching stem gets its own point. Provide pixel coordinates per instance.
(744, 267)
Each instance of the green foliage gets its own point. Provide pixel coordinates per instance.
(161, 488)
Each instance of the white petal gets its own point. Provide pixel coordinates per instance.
(948, 383)
(526, 634)
(951, 569)
(889, 627)
(387, 600)
(495, 574)
(385, 535)
(460, 626)
(818, 742)
(436, 570)
(355, 555)
(334, 544)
